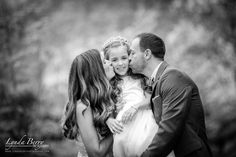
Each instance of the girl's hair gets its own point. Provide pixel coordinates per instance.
(88, 83)
(115, 81)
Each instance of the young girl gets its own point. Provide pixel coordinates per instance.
(136, 114)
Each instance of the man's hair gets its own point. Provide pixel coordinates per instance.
(152, 42)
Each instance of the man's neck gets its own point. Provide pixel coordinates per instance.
(151, 66)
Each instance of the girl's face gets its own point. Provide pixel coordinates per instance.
(119, 59)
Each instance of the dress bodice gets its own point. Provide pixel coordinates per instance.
(131, 91)
(131, 94)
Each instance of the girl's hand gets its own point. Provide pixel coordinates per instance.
(114, 125)
(129, 114)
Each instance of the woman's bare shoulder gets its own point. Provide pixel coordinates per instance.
(80, 106)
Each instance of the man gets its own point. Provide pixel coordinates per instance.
(175, 102)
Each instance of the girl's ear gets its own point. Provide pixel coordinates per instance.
(148, 54)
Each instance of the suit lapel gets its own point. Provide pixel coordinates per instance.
(154, 85)
(155, 98)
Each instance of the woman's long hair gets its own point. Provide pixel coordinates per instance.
(88, 83)
(116, 80)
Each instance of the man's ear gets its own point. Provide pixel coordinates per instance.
(147, 54)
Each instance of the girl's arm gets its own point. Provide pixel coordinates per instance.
(94, 146)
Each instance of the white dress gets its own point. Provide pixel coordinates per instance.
(138, 133)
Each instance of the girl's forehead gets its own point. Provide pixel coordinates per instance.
(118, 50)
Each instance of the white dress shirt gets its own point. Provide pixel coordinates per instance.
(153, 76)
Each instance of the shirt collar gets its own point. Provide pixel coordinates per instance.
(155, 71)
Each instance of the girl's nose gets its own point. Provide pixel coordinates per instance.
(120, 62)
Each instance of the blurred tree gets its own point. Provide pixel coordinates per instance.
(218, 17)
(20, 70)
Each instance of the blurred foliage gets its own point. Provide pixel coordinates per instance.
(39, 39)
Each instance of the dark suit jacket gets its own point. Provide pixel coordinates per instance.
(178, 111)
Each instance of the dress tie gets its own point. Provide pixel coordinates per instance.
(150, 82)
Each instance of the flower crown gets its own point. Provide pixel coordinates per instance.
(112, 40)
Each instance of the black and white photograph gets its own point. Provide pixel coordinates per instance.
(121, 78)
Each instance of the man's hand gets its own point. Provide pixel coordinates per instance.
(114, 125)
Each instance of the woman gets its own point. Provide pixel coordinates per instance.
(90, 103)
(136, 115)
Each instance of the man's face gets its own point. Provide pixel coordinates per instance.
(137, 60)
